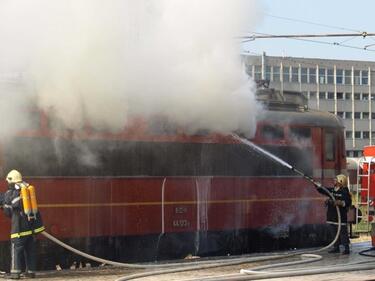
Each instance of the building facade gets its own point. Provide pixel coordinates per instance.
(341, 87)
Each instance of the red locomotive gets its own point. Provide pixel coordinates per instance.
(148, 194)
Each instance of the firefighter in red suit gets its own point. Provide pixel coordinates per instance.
(23, 228)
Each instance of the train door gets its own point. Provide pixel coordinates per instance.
(331, 164)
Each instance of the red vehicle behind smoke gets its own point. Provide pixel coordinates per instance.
(152, 193)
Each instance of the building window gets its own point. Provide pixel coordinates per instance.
(348, 134)
(364, 77)
(372, 96)
(366, 134)
(357, 96)
(303, 75)
(312, 75)
(357, 134)
(357, 77)
(312, 95)
(340, 114)
(372, 115)
(267, 74)
(276, 74)
(286, 74)
(373, 134)
(348, 115)
(330, 95)
(249, 70)
(340, 96)
(322, 76)
(330, 76)
(295, 75)
(339, 76)
(364, 96)
(357, 115)
(257, 72)
(322, 95)
(348, 96)
(365, 115)
(348, 77)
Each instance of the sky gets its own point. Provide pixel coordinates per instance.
(347, 16)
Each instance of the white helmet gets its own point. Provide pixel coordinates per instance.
(14, 177)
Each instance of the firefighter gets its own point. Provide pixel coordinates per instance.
(343, 200)
(23, 227)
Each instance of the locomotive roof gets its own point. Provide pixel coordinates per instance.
(313, 118)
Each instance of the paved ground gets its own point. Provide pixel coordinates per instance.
(111, 273)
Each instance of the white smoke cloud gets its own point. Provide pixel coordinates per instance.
(106, 62)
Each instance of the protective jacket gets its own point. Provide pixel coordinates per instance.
(21, 226)
(341, 194)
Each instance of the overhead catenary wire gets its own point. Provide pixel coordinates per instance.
(312, 23)
(303, 37)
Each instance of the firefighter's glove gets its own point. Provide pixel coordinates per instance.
(329, 202)
(340, 203)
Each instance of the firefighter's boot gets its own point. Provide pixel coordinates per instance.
(346, 251)
(334, 250)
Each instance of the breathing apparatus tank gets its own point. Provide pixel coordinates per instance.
(29, 203)
(26, 201)
(33, 203)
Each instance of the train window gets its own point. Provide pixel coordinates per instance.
(269, 132)
(330, 147)
(300, 133)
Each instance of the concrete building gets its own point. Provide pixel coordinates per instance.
(342, 87)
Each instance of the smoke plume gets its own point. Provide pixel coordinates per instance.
(107, 62)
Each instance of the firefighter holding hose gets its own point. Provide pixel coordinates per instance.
(343, 200)
(19, 204)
